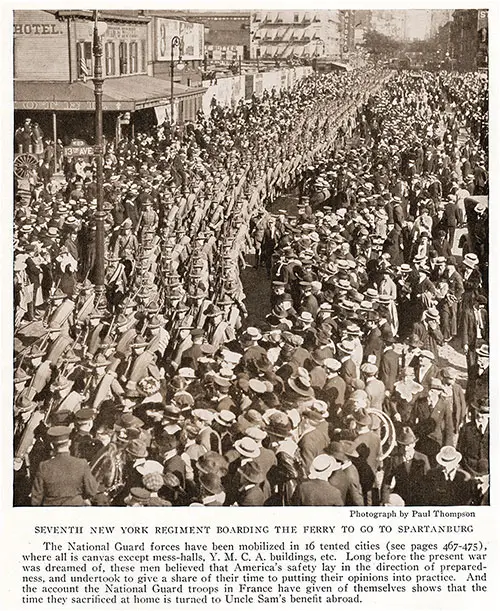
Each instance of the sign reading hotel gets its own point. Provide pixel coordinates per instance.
(192, 39)
(37, 29)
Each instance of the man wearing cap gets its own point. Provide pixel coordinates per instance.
(447, 484)
(405, 469)
(83, 443)
(190, 356)
(63, 480)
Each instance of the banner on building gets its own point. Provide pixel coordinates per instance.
(192, 37)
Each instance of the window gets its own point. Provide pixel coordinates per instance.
(143, 56)
(296, 18)
(123, 58)
(84, 59)
(133, 65)
(109, 57)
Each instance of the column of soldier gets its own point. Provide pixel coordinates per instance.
(158, 393)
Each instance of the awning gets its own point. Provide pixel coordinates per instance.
(126, 93)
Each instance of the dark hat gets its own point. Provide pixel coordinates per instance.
(363, 418)
(58, 434)
(252, 472)
(212, 311)
(481, 407)
(99, 361)
(414, 341)
(212, 462)
(129, 421)
(406, 436)
(84, 415)
(137, 448)
(211, 483)
(63, 417)
(137, 495)
(279, 425)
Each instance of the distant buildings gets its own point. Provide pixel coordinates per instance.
(391, 23)
(469, 39)
(298, 34)
(439, 18)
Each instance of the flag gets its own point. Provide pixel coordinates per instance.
(84, 71)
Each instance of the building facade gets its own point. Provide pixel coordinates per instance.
(54, 66)
(296, 34)
(469, 39)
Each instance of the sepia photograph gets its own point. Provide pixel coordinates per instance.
(251, 254)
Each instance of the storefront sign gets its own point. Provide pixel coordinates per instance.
(124, 31)
(70, 106)
(192, 37)
(37, 29)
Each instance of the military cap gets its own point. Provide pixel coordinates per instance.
(83, 415)
(58, 434)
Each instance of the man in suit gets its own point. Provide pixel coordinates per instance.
(346, 479)
(374, 343)
(316, 490)
(456, 397)
(254, 489)
(405, 470)
(333, 391)
(474, 438)
(452, 217)
(313, 436)
(390, 363)
(63, 480)
(474, 330)
(374, 388)
(428, 332)
(447, 484)
(348, 370)
(433, 406)
(449, 305)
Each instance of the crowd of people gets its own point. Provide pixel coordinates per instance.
(157, 391)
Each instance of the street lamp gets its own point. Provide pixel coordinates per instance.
(99, 30)
(176, 42)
